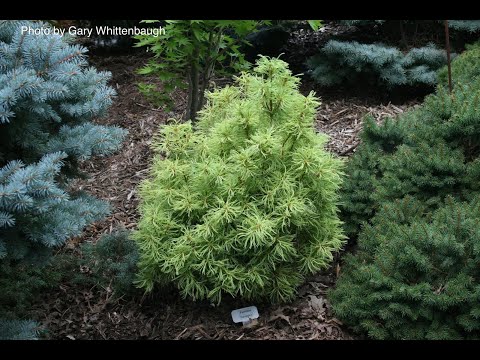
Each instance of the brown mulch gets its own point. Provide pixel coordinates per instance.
(75, 312)
(116, 177)
(82, 313)
(342, 121)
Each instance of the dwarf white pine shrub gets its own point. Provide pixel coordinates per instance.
(247, 204)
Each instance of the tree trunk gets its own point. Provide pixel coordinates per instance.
(207, 74)
(447, 48)
(193, 87)
(415, 34)
(190, 98)
(213, 48)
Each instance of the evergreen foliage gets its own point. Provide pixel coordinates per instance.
(375, 64)
(412, 197)
(466, 68)
(18, 330)
(48, 97)
(358, 190)
(247, 204)
(21, 285)
(472, 26)
(427, 152)
(36, 212)
(414, 276)
(361, 22)
(112, 261)
(110, 264)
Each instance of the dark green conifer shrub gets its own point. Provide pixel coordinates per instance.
(414, 276)
(428, 153)
(466, 67)
(413, 198)
(247, 204)
(109, 263)
(365, 168)
(20, 285)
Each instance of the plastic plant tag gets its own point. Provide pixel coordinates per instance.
(245, 315)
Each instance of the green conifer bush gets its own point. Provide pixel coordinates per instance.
(429, 152)
(341, 62)
(246, 204)
(466, 67)
(412, 197)
(415, 276)
(365, 168)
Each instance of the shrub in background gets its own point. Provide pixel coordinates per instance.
(268, 40)
(247, 204)
(465, 68)
(413, 33)
(362, 23)
(48, 97)
(472, 26)
(350, 63)
(194, 50)
(271, 38)
(355, 58)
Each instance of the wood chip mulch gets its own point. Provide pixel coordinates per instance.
(73, 312)
(342, 121)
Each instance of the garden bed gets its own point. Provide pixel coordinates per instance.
(76, 312)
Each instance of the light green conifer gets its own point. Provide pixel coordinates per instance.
(246, 204)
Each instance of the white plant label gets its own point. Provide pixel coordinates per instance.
(245, 315)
